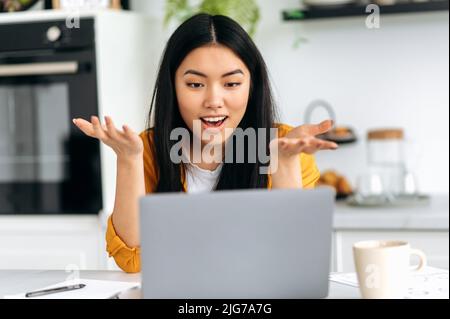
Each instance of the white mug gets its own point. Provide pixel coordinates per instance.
(383, 267)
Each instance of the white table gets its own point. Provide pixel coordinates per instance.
(18, 281)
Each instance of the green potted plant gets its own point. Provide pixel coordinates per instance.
(16, 5)
(246, 13)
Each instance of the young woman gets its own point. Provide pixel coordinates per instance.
(211, 74)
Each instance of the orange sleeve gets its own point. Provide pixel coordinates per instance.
(129, 259)
(310, 172)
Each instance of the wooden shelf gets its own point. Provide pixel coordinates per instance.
(360, 10)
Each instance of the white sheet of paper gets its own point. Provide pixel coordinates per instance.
(430, 283)
(95, 289)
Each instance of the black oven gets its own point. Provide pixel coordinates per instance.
(48, 77)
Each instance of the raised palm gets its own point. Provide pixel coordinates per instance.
(125, 143)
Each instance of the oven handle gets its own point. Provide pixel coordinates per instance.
(44, 68)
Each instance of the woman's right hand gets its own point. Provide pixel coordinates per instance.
(126, 143)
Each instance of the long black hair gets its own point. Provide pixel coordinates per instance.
(201, 30)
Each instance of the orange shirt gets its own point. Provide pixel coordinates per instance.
(127, 258)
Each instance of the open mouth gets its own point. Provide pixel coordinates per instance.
(213, 121)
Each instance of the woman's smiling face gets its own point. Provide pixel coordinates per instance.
(212, 87)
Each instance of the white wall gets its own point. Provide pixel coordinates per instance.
(397, 75)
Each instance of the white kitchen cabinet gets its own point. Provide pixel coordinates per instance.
(435, 244)
(51, 242)
(425, 227)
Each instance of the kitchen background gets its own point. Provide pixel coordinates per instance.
(396, 75)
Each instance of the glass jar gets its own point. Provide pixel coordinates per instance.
(385, 151)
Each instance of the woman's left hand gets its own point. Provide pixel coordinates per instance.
(302, 139)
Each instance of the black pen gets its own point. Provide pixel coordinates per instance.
(53, 290)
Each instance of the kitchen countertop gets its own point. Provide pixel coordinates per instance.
(17, 281)
(433, 216)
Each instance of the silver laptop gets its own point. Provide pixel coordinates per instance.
(246, 244)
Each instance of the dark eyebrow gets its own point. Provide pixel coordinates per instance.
(205, 76)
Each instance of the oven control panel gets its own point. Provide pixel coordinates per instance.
(42, 35)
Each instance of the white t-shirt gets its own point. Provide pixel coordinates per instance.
(199, 180)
